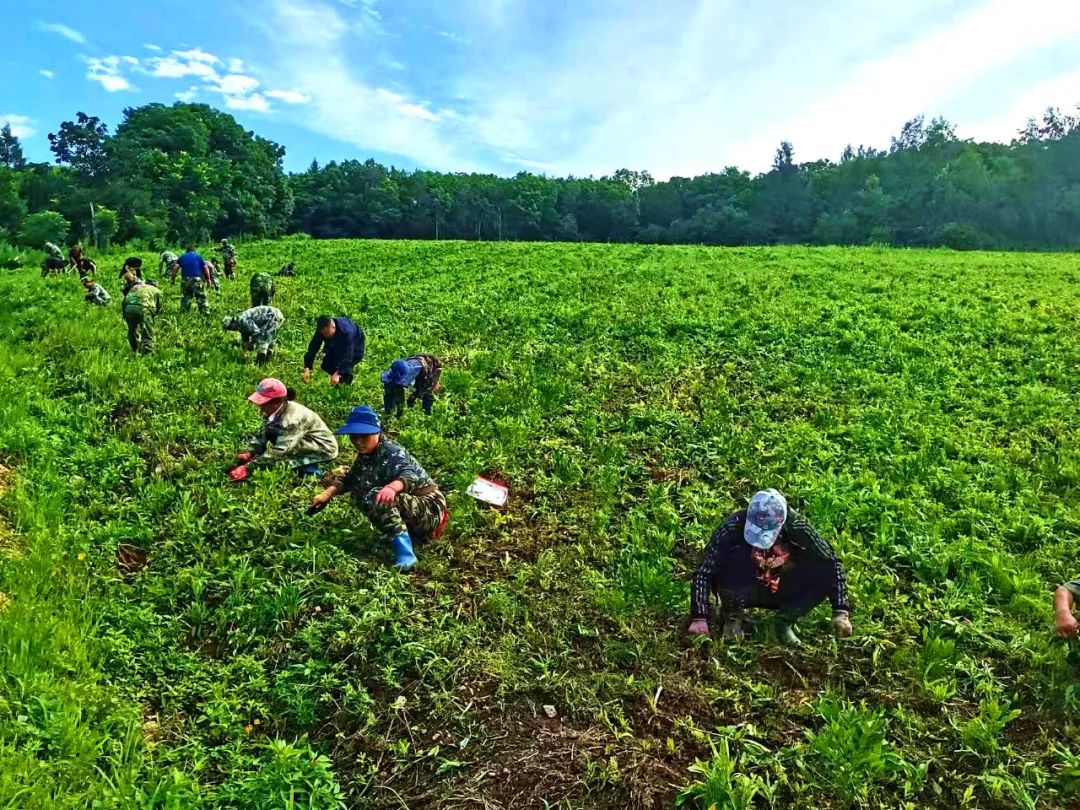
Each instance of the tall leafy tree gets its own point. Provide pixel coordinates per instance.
(11, 153)
(82, 145)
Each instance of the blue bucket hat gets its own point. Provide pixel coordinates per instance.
(765, 518)
(398, 373)
(362, 421)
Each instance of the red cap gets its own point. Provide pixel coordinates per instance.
(267, 390)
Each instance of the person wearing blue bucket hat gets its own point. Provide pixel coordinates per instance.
(422, 372)
(389, 486)
(768, 556)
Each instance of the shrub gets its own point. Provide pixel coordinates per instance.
(42, 227)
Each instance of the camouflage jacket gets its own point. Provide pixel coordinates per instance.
(53, 251)
(227, 251)
(143, 295)
(388, 462)
(97, 295)
(259, 324)
(168, 259)
(293, 432)
(261, 282)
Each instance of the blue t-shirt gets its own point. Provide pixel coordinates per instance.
(191, 265)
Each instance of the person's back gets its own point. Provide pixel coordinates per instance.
(144, 295)
(191, 265)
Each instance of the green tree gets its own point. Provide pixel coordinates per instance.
(106, 224)
(42, 227)
(11, 153)
(82, 144)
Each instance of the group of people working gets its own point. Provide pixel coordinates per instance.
(766, 556)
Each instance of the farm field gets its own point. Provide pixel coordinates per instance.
(920, 407)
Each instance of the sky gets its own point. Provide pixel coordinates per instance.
(582, 87)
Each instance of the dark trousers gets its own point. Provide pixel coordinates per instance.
(798, 595)
(330, 365)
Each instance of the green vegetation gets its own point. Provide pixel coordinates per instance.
(191, 172)
(918, 406)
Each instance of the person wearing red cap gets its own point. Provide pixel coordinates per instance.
(290, 434)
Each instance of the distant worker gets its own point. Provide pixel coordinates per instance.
(75, 256)
(258, 328)
(768, 556)
(166, 261)
(228, 258)
(142, 305)
(54, 260)
(95, 293)
(215, 276)
(290, 434)
(1064, 598)
(287, 270)
(422, 372)
(134, 264)
(262, 289)
(344, 342)
(194, 278)
(390, 487)
(86, 267)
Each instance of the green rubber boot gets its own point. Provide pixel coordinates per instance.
(785, 628)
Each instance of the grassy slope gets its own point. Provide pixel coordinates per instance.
(919, 406)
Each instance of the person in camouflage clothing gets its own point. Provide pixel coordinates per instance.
(290, 434)
(142, 304)
(390, 487)
(166, 261)
(287, 270)
(258, 328)
(95, 293)
(228, 258)
(54, 260)
(215, 277)
(194, 278)
(262, 289)
(421, 371)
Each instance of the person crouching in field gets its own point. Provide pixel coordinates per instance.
(287, 270)
(290, 434)
(390, 487)
(54, 260)
(258, 328)
(344, 342)
(194, 278)
(421, 372)
(262, 289)
(142, 305)
(215, 277)
(132, 265)
(768, 556)
(1064, 621)
(95, 293)
(86, 267)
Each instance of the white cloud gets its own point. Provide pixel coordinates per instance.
(106, 71)
(187, 95)
(22, 126)
(236, 66)
(176, 66)
(344, 105)
(65, 31)
(1062, 92)
(197, 55)
(151, 47)
(288, 96)
(48, 74)
(236, 85)
(256, 102)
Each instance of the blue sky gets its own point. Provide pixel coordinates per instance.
(556, 86)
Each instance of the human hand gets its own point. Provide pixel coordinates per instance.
(1066, 624)
(335, 379)
(386, 495)
(322, 499)
(307, 375)
(841, 623)
(245, 457)
(238, 473)
(698, 627)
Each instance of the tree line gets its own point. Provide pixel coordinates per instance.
(170, 174)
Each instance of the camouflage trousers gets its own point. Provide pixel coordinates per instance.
(193, 288)
(140, 324)
(261, 297)
(419, 515)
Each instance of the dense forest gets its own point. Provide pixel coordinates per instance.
(168, 174)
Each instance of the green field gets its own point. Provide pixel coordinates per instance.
(919, 406)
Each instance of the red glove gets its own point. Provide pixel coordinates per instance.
(238, 473)
(386, 495)
(245, 457)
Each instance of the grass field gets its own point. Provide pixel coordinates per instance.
(920, 406)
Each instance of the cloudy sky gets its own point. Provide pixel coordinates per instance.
(557, 86)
